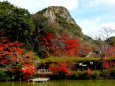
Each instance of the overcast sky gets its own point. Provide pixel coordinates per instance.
(90, 15)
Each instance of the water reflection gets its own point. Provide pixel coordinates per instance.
(62, 83)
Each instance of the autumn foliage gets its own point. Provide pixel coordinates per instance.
(89, 71)
(15, 60)
(64, 44)
(60, 68)
(84, 49)
(27, 70)
(111, 51)
(106, 65)
(60, 45)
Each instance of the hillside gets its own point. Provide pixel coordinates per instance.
(59, 19)
(49, 39)
(51, 31)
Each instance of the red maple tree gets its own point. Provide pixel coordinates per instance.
(60, 67)
(61, 45)
(14, 59)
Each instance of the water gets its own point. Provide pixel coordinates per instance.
(62, 83)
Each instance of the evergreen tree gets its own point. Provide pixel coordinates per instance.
(16, 23)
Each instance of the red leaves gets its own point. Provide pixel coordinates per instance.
(63, 69)
(21, 63)
(84, 49)
(60, 45)
(106, 65)
(89, 71)
(6, 52)
(111, 51)
(53, 68)
(71, 47)
(9, 50)
(4, 61)
(27, 71)
(14, 59)
(56, 68)
(44, 39)
(50, 36)
(26, 76)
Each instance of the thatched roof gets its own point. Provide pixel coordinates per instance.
(92, 54)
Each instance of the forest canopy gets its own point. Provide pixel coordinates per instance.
(16, 23)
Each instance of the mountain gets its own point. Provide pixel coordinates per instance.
(56, 19)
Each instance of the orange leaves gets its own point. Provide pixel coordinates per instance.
(10, 50)
(61, 67)
(53, 68)
(1, 48)
(106, 64)
(27, 70)
(62, 45)
(11, 53)
(111, 51)
(89, 71)
(14, 59)
(29, 54)
(6, 52)
(4, 61)
(84, 49)
(71, 47)
(50, 36)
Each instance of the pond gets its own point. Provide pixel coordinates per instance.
(62, 83)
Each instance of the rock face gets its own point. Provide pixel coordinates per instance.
(59, 19)
(54, 11)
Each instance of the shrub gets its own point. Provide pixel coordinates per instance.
(85, 75)
(105, 74)
(112, 73)
(82, 75)
(96, 74)
(4, 76)
(60, 69)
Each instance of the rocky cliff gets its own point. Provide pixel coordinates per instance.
(59, 19)
(54, 12)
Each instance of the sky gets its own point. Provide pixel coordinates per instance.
(91, 15)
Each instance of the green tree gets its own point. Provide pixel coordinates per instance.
(41, 27)
(16, 23)
(111, 41)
